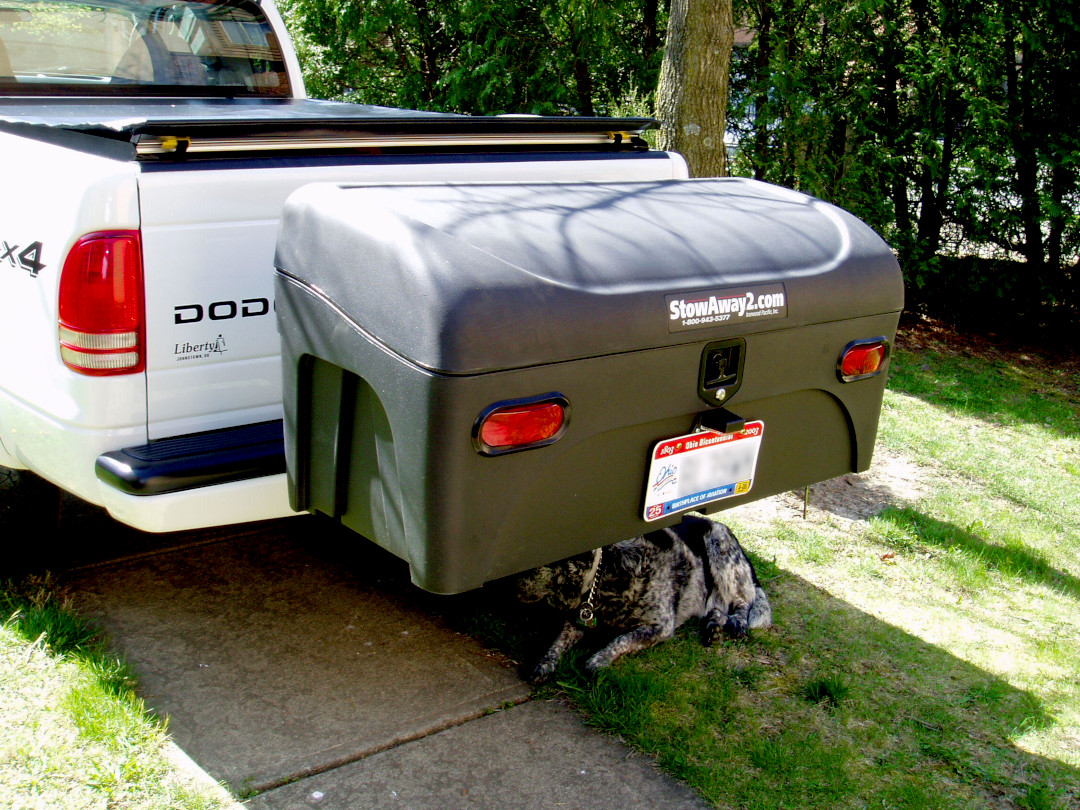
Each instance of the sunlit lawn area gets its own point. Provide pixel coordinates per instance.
(925, 649)
(924, 656)
(72, 732)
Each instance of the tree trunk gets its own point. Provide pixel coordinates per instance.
(650, 34)
(428, 50)
(582, 78)
(692, 97)
(895, 181)
(1020, 63)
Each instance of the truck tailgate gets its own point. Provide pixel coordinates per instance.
(209, 229)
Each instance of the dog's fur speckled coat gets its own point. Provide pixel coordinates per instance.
(650, 585)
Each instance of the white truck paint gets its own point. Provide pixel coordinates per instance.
(208, 224)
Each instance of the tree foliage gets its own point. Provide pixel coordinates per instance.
(949, 125)
(479, 56)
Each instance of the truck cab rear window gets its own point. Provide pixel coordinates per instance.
(132, 47)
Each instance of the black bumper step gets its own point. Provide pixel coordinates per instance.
(196, 460)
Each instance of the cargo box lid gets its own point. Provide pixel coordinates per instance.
(471, 278)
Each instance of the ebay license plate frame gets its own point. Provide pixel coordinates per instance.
(699, 468)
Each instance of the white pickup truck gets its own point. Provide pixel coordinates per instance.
(147, 148)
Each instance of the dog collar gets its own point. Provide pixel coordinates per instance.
(587, 611)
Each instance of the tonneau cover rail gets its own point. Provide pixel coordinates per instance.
(172, 144)
(242, 125)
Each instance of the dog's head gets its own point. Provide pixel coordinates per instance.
(559, 584)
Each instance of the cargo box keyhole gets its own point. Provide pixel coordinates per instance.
(721, 370)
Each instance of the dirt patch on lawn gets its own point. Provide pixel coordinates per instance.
(892, 480)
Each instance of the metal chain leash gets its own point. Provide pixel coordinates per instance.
(587, 611)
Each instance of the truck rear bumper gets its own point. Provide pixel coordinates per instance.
(218, 505)
(66, 451)
(198, 460)
(206, 479)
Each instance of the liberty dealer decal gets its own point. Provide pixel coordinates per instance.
(199, 351)
(698, 310)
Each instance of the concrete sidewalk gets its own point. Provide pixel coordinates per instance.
(308, 672)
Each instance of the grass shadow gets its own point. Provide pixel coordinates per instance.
(907, 528)
(913, 725)
(995, 391)
(35, 610)
(38, 610)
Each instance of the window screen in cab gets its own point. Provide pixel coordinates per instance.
(130, 47)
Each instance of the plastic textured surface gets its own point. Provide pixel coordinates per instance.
(406, 311)
(201, 459)
(471, 278)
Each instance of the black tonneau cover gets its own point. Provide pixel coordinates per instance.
(170, 128)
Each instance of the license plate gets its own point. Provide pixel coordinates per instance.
(699, 468)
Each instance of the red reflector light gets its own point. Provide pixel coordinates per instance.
(505, 427)
(101, 304)
(861, 359)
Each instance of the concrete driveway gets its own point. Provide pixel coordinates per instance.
(298, 665)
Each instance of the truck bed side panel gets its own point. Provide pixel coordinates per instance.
(52, 196)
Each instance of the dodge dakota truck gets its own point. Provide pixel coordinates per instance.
(147, 150)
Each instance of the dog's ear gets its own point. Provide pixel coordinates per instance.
(722, 534)
(630, 556)
(577, 568)
(535, 585)
(663, 539)
(563, 585)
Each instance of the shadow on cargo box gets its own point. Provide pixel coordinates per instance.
(569, 294)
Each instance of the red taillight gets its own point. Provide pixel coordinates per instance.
(861, 359)
(509, 426)
(101, 304)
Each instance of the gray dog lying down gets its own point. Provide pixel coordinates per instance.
(646, 587)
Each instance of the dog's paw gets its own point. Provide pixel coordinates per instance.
(735, 627)
(712, 633)
(540, 674)
(597, 663)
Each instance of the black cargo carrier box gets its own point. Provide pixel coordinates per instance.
(484, 378)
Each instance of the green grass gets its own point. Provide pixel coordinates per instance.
(926, 657)
(75, 735)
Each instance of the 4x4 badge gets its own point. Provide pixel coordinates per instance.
(28, 259)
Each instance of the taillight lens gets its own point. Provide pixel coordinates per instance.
(861, 359)
(101, 305)
(520, 424)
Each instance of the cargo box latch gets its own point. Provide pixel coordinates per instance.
(721, 370)
(721, 420)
